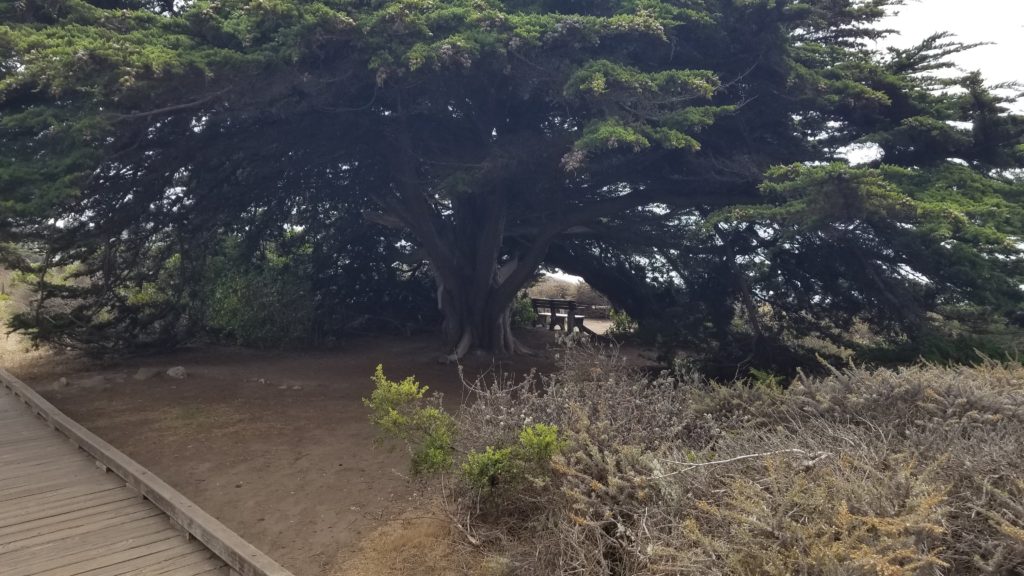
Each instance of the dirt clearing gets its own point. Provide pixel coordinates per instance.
(278, 446)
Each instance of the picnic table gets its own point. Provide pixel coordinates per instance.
(558, 313)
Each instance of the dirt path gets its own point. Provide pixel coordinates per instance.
(276, 445)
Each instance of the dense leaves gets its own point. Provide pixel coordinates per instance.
(689, 158)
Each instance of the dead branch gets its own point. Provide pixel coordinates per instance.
(813, 459)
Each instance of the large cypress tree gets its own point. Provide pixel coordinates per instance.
(698, 144)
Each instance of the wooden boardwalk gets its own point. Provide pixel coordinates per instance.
(62, 515)
(72, 505)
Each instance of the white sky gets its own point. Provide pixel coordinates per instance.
(998, 21)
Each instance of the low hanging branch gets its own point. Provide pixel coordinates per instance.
(172, 108)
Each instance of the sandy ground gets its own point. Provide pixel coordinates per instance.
(278, 446)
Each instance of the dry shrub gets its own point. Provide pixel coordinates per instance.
(891, 472)
(425, 546)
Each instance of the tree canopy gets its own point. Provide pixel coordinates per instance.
(689, 158)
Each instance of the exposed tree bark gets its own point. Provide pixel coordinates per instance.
(746, 295)
(475, 288)
(478, 264)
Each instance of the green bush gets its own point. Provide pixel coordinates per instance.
(484, 469)
(539, 443)
(265, 301)
(622, 324)
(509, 467)
(402, 410)
(523, 315)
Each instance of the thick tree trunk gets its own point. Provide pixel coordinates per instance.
(476, 280)
(478, 315)
(464, 240)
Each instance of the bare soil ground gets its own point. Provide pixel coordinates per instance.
(276, 445)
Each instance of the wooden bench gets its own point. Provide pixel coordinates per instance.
(558, 313)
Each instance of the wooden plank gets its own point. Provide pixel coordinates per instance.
(22, 438)
(100, 516)
(19, 427)
(44, 438)
(11, 456)
(73, 515)
(183, 555)
(40, 462)
(16, 413)
(112, 559)
(46, 534)
(68, 521)
(79, 545)
(191, 563)
(217, 572)
(55, 484)
(19, 419)
(80, 469)
(76, 491)
(21, 515)
(82, 459)
(41, 467)
(202, 572)
(98, 557)
(21, 423)
(236, 552)
(181, 564)
(23, 506)
(42, 454)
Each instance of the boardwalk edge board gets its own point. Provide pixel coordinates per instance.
(242, 557)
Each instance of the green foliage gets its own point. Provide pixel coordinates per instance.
(523, 315)
(229, 295)
(610, 135)
(401, 410)
(391, 400)
(264, 303)
(435, 453)
(539, 443)
(509, 467)
(766, 380)
(687, 158)
(483, 469)
(622, 324)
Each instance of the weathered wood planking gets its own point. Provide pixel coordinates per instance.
(63, 514)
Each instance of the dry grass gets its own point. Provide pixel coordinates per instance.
(425, 546)
(918, 471)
